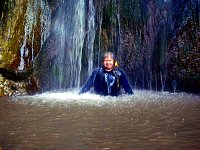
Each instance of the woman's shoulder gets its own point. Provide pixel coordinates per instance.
(96, 70)
(121, 71)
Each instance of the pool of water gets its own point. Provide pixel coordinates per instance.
(67, 121)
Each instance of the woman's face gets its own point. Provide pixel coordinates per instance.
(108, 63)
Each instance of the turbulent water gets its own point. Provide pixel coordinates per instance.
(68, 121)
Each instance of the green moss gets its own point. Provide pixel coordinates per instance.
(12, 35)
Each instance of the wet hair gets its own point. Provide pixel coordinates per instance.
(108, 54)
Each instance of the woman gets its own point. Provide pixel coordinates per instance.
(108, 79)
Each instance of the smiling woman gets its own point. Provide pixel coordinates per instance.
(108, 61)
(107, 79)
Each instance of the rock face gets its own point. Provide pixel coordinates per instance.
(62, 41)
(23, 29)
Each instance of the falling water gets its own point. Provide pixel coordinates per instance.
(91, 35)
(99, 44)
(174, 85)
(69, 29)
(32, 12)
(77, 45)
(30, 19)
(119, 30)
(22, 49)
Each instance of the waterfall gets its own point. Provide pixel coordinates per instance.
(30, 19)
(78, 40)
(91, 35)
(69, 33)
(33, 11)
(118, 30)
(99, 41)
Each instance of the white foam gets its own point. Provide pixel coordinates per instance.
(73, 98)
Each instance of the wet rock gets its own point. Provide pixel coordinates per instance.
(15, 75)
(13, 88)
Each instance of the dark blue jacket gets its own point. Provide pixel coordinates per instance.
(107, 83)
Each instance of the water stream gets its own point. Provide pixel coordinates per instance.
(146, 120)
(34, 9)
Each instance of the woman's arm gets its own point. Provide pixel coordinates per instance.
(125, 84)
(87, 86)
